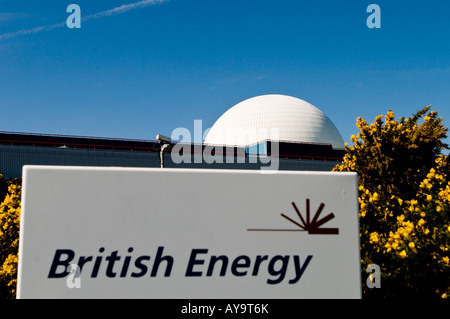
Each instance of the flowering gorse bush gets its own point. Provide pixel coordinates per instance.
(9, 239)
(404, 195)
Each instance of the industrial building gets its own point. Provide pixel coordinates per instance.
(247, 136)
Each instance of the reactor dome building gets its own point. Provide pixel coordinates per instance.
(280, 125)
(274, 117)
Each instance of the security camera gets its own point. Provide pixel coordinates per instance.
(163, 139)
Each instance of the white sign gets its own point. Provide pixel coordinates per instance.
(188, 233)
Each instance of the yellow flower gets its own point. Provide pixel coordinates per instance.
(403, 254)
(446, 260)
(421, 222)
(411, 245)
(374, 197)
(390, 115)
(374, 238)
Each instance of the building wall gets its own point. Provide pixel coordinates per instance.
(13, 157)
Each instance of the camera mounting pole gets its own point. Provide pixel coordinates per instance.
(164, 141)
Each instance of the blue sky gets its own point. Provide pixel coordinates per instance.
(157, 67)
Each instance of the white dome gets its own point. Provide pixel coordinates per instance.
(274, 117)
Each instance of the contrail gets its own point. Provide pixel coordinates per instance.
(114, 11)
(124, 8)
(14, 34)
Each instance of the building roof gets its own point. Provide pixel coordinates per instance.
(274, 117)
(70, 141)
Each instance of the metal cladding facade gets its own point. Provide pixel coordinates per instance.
(19, 149)
(13, 157)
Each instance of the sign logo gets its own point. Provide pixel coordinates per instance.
(313, 227)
